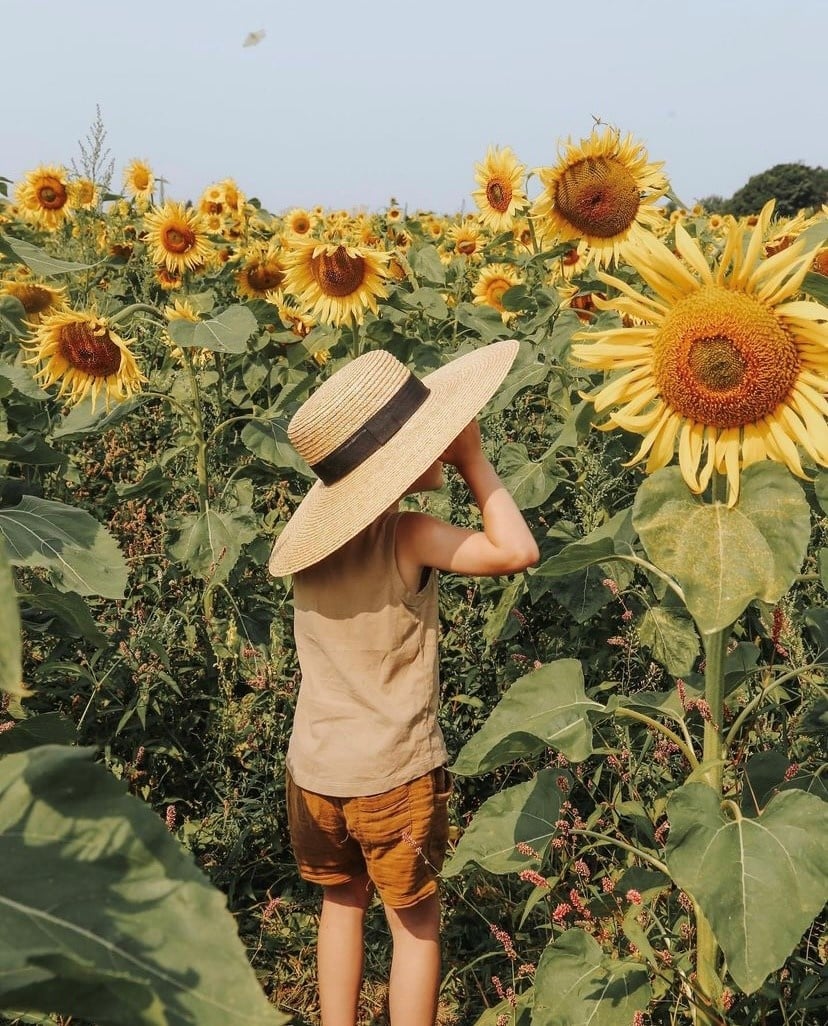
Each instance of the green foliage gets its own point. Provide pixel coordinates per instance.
(579, 704)
(793, 186)
(760, 881)
(121, 928)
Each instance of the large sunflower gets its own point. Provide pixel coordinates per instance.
(336, 282)
(602, 191)
(44, 196)
(81, 352)
(139, 181)
(177, 238)
(721, 358)
(501, 195)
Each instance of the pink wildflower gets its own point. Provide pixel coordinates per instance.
(633, 896)
(505, 940)
(533, 877)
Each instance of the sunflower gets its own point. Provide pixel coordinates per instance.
(84, 194)
(336, 282)
(468, 242)
(139, 181)
(494, 280)
(299, 221)
(501, 194)
(262, 272)
(177, 238)
(602, 191)
(44, 197)
(36, 298)
(723, 358)
(81, 351)
(294, 319)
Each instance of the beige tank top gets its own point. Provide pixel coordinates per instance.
(366, 715)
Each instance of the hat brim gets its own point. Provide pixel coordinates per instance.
(331, 515)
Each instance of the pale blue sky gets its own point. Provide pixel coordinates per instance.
(348, 103)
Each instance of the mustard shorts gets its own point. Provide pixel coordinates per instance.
(398, 837)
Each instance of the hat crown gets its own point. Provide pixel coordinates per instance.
(343, 403)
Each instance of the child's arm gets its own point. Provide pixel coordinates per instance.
(504, 546)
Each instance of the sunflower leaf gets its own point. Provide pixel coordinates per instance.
(105, 916)
(67, 542)
(576, 982)
(11, 658)
(38, 260)
(227, 333)
(760, 881)
(525, 813)
(725, 557)
(547, 708)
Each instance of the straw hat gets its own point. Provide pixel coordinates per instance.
(369, 432)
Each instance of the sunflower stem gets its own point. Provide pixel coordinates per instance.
(133, 308)
(201, 464)
(355, 338)
(707, 948)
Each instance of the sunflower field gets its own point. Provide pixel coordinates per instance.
(637, 724)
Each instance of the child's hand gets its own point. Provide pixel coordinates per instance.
(465, 447)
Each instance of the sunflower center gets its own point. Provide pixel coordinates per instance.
(140, 178)
(337, 273)
(86, 351)
(301, 225)
(599, 196)
(724, 359)
(499, 195)
(178, 238)
(467, 246)
(51, 194)
(264, 277)
(716, 364)
(34, 299)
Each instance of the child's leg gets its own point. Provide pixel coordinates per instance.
(415, 965)
(340, 950)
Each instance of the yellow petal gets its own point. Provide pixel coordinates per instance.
(690, 447)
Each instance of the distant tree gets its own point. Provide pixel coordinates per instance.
(793, 186)
(714, 204)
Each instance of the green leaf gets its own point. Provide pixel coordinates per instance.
(210, 543)
(154, 485)
(529, 483)
(429, 301)
(816, 285)
(576, 984)
(31, 451)
(547, 708)
(11, 650)
(39, 260)
(426, 263)
(22, 381)
(268, 440)
(227, 333)
(66, 607)
(83, 420)
(46, 729)
(724, 557)
(498, 619)
(760, 882)
(527, 370)
(105, 917)
(525, 813)
(516, 298)
(671, 638)
(68, 542)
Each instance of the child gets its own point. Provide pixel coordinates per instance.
(367, 786)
